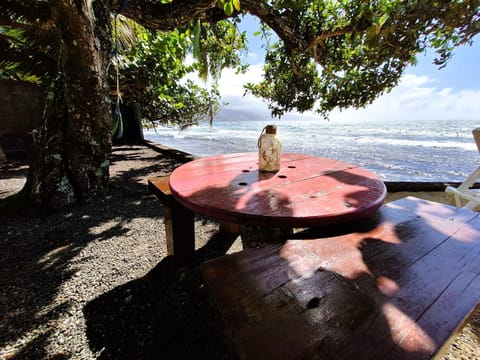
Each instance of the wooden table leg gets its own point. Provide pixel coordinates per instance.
(254, 236)
(180, 232)
(229, 228)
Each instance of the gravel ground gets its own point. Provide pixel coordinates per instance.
(94, 280)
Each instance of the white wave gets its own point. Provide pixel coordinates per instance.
(407, 142)
(427, 150)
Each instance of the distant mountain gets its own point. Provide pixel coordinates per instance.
(237, 114)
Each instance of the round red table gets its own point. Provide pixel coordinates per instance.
(307, 191)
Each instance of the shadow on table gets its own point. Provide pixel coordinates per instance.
(163, 315)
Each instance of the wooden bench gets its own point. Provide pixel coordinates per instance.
(399, 284)
(179, 222)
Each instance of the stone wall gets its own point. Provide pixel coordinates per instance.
(21, 105)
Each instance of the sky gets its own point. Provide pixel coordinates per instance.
(425, 92)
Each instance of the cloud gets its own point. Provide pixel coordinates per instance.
(253, 58)
(415, 98)
(231, 84)
(241, 105)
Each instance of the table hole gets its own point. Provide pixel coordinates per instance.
(313, 303)
(242, 183)
(292, 167)
(245, 170)
(313, 196)
(282, 176)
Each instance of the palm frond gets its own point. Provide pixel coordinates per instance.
(29, 43)
(127, 32)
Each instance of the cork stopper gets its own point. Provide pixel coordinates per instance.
(271, 129)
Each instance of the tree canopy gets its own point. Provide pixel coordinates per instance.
(153, 70)
(326, 54)
(332, 54)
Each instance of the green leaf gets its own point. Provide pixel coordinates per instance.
(196, 39)
(236, 4)
(228, 8)
(383, 19)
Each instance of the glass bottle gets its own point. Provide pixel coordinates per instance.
(269, 150)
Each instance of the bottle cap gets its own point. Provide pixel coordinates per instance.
(271, 129)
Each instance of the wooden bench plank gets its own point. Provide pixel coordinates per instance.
(398, 285)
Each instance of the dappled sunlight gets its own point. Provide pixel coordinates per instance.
(387, 286)
(435, 213)
(55, 257)
(106, 229)
(407, 269)
(307, 190)
(351, 262)
(405, 331)
(304, 259)
(360, 188)
(98, 272)
(55, 263)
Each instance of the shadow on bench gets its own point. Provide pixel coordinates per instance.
(400, 284)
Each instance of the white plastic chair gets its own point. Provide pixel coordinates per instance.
(463, 193)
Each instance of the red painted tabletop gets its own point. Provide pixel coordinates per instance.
(307, 191)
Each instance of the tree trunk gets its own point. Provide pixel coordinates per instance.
(71, 160)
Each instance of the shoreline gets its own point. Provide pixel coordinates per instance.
(395, 150)
(392, 186)
(429, 190)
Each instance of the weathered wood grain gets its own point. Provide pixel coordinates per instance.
(308, 190)
(397, 285)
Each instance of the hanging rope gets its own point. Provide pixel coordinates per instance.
(117, 130)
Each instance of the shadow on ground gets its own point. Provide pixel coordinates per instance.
(38, 256)
(166, 314)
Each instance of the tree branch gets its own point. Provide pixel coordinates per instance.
(320, 39)
(282, 24)
(166, 17)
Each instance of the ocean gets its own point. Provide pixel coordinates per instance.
(433, 150)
